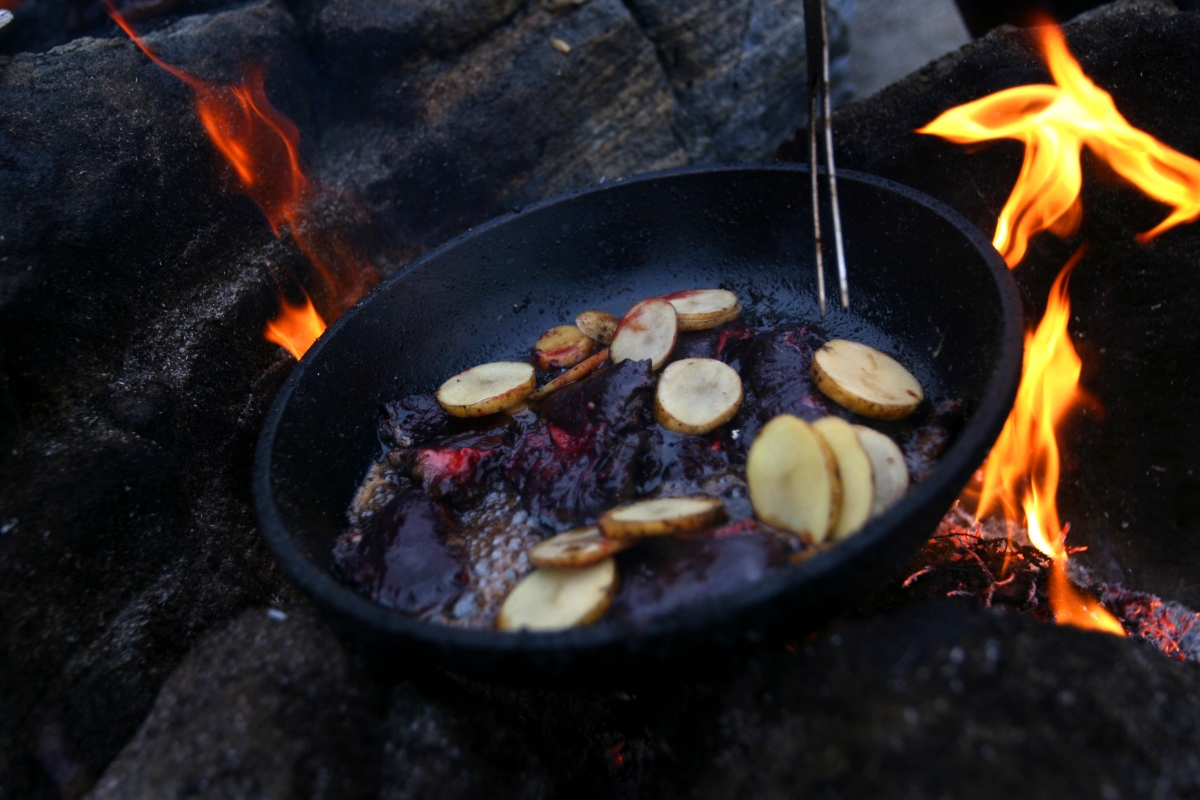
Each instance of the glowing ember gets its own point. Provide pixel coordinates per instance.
(1055, 123)
(263, 148)
(296, 327)
(1020, 476)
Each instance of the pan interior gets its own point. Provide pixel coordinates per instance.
(919, 287)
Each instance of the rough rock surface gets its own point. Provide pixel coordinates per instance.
(1131, 489)
(941, 700)
(135, 284)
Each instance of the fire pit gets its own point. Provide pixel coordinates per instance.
(152, 647)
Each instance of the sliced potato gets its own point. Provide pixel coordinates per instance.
(662, 516)
(854, 471)
(575, 373)
(564, 346)
(702, 306)
(888, 469)
(793, 478)
(865, 380)
(487, 389)
(714, 322)
(581, 547)
(598, 325)
(647, 331)
(695, 395)
(552, 599)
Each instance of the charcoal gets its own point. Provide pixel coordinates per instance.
(403, 557)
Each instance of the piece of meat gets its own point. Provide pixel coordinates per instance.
(671, 573)
(776, 378)
(567, 480)
(420, 421)
(616, 397)
(405, 556)
(716, 343)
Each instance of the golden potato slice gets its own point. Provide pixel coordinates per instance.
(695, 395)
(581, 547)
(865, 380)
(487, 389)
(793, 478)
(888, 469)
(854, 471)
(701, 305)
(564, 346)
(599, 325)
(570, 376)
(662, 516)
(647, 331)
(552, 599)
(714, 322)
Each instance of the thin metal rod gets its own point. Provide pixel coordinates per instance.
(843, 283)
(816, 195)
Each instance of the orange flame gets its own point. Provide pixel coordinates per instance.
(263, 148)
(1020, 476)
(296, 327)
(1055, 123)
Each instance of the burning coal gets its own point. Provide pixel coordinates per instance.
(262, 146)
(1056, 123)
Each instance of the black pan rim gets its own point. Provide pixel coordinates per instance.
(968, 450)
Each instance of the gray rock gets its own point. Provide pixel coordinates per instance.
(269, 706)
(940, 700)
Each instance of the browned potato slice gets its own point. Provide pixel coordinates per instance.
(564, 346)
(702, 306)
(662, 516)
(599, 325)
(570, 376)
(793, 478)
(487, 389)
(714, 322)
(581, 547)
(696, 395)
(552, 599)
(888, 469)
(865, 380)
(647, 331)
(854, 470)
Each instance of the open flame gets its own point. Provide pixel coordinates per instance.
(263, 148)
(1020, 476)
(297, 326)
(1055, 123)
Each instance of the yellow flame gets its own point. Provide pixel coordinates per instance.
(1055, 123)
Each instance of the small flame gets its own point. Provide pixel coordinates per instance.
(296, 328)
(1055, 123)
(1020, 476)
(263, 147)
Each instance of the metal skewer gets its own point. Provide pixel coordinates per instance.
(816, 32)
